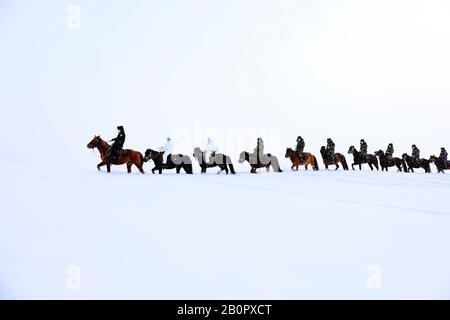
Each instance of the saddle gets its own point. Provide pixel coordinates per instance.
(114, 155)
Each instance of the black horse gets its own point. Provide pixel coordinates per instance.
(174, 161)
(359, 159)
(385, 162)
(271, 161)
(219, 159)
(440, 164)
(409, 164)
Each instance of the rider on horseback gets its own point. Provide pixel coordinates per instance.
(415, 155)
(363, 149)
(444, 156)
(210, 151)
(330, 149)
(300, 147)
(259, 152)
(390, 151)
(167, 149)
(114, 151)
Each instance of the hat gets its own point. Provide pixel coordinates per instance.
(119, 127)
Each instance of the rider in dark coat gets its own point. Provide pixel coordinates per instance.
(330, 148)
(300, 147)
(444, 156)
(363, 148)
(118, 143)
(390, 151)
(259, 150)
(415, 154)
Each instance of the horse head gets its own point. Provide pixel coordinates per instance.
(351, 150)
(433, 158)
(197, 152)
(289, 152)
(94, 142)
(379, 153)
(150, 155)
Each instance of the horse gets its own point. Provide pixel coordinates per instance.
(174, 161)
(440, 164)
(308, 159)
(245, 156)
(385, 162)
(338, 158)
(409, 164)
(219, 159)
(359, 159)
(127, 156)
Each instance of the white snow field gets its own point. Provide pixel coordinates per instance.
(283, 235)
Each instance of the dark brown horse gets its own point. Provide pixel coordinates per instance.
(256, 164)
(338, 158)
(440, 164)
(127, 156)
(359, 159)
(308, 159)
(385, 162)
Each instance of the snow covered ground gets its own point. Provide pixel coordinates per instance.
(89, 234)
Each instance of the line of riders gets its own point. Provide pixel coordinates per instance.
(208, 157)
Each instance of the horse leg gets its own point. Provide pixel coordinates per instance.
(224, 167)
(178, 169)
(129, 167)
(353, 168)
(108, 167)
(101, 164)
(337, 166)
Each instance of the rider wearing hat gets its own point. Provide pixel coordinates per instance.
(259, 150)
(118, 142)
(300, 147)
(363, 148)
(330, 148)
(390, 151)
(415, 154)
(444, 156)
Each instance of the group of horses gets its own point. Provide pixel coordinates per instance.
(183, 162)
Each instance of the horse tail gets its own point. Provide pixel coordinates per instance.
(344, 162)
(188, 168)
(230, 165)
(375, 162)
(405, 167)
(275, 164)
(316, 165)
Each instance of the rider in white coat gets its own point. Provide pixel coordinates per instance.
(210, 149)
(168, 147)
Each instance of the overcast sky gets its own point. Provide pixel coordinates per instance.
(378, 70)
